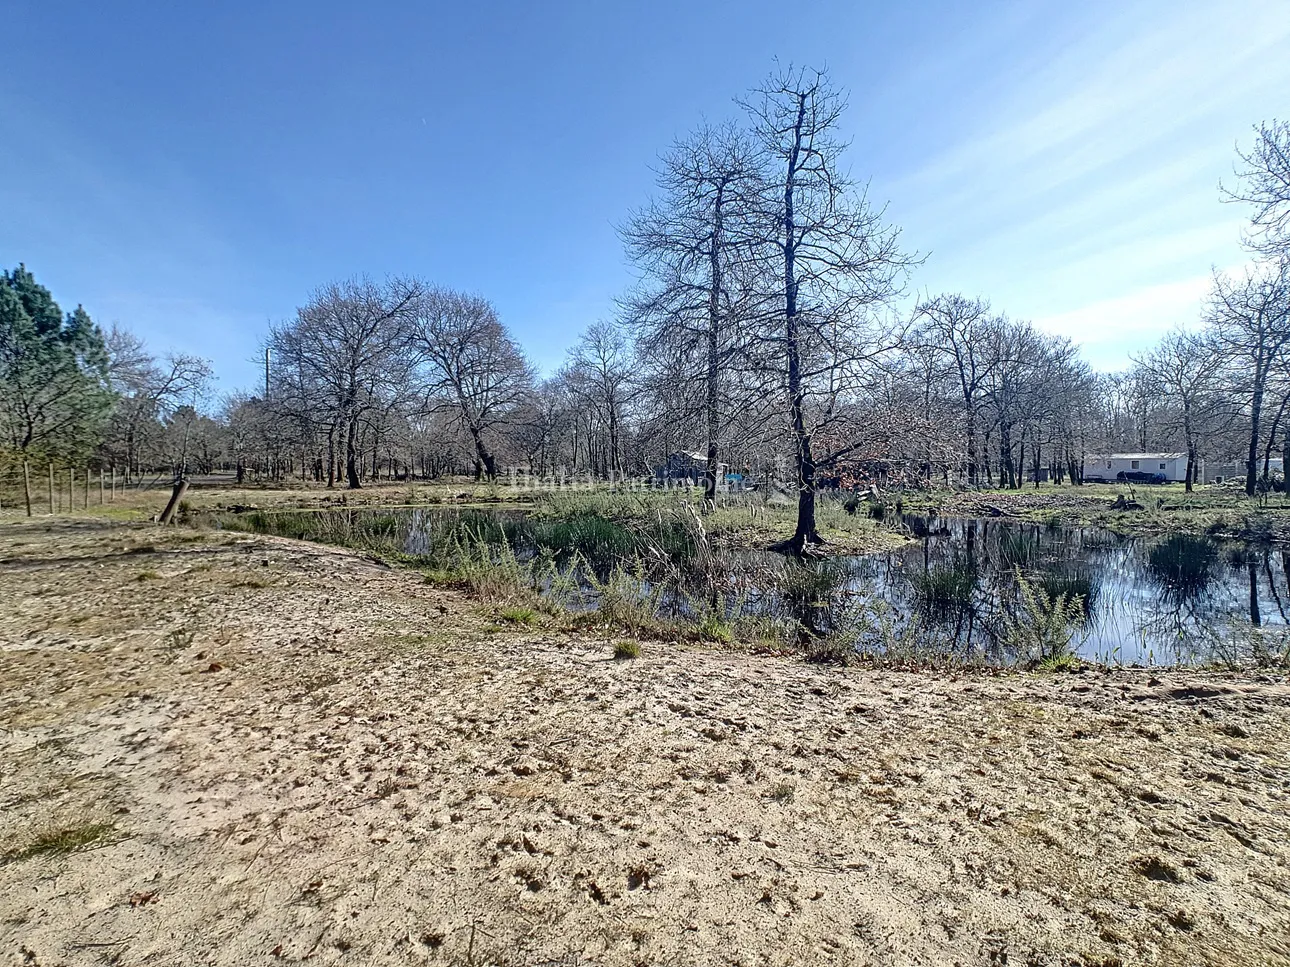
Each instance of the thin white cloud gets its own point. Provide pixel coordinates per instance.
(1111, 328)
(1087, 194)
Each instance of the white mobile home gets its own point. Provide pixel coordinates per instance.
(1108, 466)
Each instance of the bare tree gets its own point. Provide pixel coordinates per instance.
(957, 328)
(1184, 369)
(348, 349)
(1251, 319)
(834, 259)
(1014, 388)
(1264, 183)
(690, 242)
(599, 373)
(471, 367)
(149, 391)
(544, 424)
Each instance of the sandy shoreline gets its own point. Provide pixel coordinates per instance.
(293, 753)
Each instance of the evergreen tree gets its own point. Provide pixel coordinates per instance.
(54, 393)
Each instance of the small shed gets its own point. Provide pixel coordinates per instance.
(1235, 470)
(1108, 467)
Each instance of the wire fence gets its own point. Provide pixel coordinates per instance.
(48, 487)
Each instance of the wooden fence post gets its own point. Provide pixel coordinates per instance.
(26, 485)
(112, 496)
(71, 490)
(51, 486)
(87, 488)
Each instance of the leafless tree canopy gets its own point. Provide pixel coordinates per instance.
(1263, 182)
(469, 368)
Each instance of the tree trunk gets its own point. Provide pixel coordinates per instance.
(176, 495)
(331, 456)
(1252, 457)
(615, 443)
(805, 532)
(486, 464)
(1285, 463)
(1191, 447)
(714, 322)
(351, 456)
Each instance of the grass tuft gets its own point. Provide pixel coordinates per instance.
(782, 792)
(519, 615)
(627, 649)
(62, 840)
(945, 590)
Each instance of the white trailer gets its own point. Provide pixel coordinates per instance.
(1108, 466)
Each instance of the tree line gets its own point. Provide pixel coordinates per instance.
(767, 328)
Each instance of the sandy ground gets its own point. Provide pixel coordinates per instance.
(291, 753)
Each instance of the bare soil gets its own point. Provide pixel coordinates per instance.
(224, 749)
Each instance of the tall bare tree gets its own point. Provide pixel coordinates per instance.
(149, 390)
(834, 260)
(599, 373)
(690, 243)
(1184, 368)
(1263, 175)
(1250, 316)
(958, 328)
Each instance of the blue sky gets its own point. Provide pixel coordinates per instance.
(192, 171)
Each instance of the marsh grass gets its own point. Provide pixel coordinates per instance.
(713, 626)
(945, 590)
(519, 615)
(488, 572)
(1186, 565)
(628, 600)
(650, 566)
(1016, 549)
(627, 649)
(1073, 584)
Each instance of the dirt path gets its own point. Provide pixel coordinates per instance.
(277, 752)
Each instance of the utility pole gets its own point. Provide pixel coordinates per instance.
(266, 374)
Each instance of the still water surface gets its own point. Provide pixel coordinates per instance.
(1159, 600)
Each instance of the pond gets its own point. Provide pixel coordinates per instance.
(1176, 599)
(954, 588)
